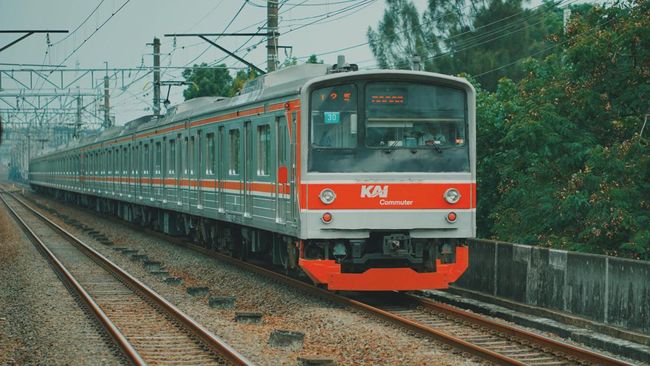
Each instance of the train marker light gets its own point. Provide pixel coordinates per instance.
(327, 217)
(451, 217)
(452, 195)
(327, 196)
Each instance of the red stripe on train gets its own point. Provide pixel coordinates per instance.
(389, 196)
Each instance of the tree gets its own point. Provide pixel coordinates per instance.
(561, 161)
(207, 81)
(241, 78)
(313, 60)
(466, 36)
(399, 36)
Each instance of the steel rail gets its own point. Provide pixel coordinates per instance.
(393, 318)
(119, 338)
(582, 354)
(208, 339)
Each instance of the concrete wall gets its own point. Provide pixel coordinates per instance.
(605, 289)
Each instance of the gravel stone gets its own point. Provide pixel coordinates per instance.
(40, 322)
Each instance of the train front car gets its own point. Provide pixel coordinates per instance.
(388, 180)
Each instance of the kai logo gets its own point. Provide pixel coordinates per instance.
(371, 191)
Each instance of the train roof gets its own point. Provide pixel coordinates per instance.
(276, 84)
(265, 87)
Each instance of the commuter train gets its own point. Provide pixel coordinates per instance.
(362, 180)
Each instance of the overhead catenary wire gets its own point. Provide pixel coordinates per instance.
(80, 25)
(94, 32)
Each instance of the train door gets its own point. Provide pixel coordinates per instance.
(192, 166)
(136, 170)
(281, 168)
(221, 171)
(185, 179)
(178, 168)
(199, 169)
(247, 173)
(293, 189)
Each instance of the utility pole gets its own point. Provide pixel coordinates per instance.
(107, 107)
(272, 42)
(156, 76)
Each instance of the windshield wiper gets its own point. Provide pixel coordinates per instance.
(392, 147)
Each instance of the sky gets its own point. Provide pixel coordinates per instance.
(115, 34)
(130, 24)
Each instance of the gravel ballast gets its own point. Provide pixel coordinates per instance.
(330, 331)
(40, 322)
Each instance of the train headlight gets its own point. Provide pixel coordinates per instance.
(452, 195)
(327, 196)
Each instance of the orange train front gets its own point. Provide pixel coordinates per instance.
(388, 184)
(363, 180)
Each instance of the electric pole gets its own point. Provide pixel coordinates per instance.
(107, 107)
(272, 43)
(156, 76)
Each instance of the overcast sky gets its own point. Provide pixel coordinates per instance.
(121, 41)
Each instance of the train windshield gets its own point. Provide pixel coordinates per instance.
(388, 127)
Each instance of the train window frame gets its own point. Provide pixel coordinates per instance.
(125, 160)
(263, 150)
(118, 162)
(210, 146)
(234, 140)
(192, 158)
(109, 162)
(157, 158)
(145, 158)
(352, 122)
(171, 157)
(420, 135)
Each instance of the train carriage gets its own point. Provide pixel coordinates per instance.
(362, 180)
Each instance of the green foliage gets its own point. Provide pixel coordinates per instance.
(561, 161)
(207, 81)
(241, 78)
(313, 60)
(465, 36)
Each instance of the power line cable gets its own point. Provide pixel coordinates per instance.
(93, 33)
(80, 25)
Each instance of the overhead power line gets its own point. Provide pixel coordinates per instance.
(80, 25)
(93, 33)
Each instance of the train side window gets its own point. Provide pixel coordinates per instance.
(171, 160)
(157, 158)
(184, 155)
(263, 150)
(125, 161)
(233, 168)
(109, 160)
(118, 161)
(282, 139)
(145, 155)
(136, 160)
(210, 161)
(192, 161)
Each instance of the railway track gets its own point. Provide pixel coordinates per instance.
(470, 333)
(482, 337)
(147, 328)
